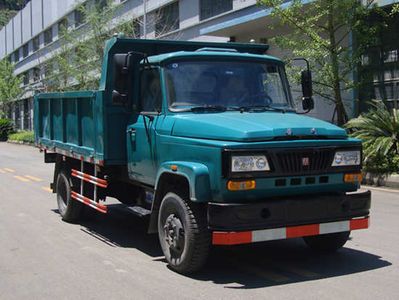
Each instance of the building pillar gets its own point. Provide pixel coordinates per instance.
(31, 113)
(21, 113)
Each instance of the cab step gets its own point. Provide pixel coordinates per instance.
(139, 211)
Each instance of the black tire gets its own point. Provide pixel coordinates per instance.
(69, 209)
(327, 242)
(189, 250)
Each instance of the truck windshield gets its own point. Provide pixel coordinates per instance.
(228, 85)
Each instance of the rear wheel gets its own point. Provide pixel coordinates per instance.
(327, 242)
(69, 209)
(183, 233)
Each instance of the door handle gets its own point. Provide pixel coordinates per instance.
(132, 133)
(130, 130)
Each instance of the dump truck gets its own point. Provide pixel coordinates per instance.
(205, 141)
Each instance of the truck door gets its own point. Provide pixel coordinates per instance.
(141, 136)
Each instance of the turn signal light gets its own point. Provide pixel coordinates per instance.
(350, 178)
(241, 185)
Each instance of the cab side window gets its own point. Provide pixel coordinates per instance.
(150, 91)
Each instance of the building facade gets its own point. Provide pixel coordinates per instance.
(32, 37)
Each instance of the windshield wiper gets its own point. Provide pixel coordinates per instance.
(217, 108)
(258, 108)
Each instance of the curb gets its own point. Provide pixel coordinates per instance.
(391, 181)
(20, 143)
(381, 188)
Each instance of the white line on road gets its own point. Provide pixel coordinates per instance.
(20, 178)
(33, 178)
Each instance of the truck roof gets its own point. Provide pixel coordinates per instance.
(155, 59)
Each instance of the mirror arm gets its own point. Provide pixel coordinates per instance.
(305, 60)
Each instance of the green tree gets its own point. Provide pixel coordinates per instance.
(10, 85)
(77, 65)
(8, 9)
(332, 35)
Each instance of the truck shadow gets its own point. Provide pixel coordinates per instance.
(239, 267)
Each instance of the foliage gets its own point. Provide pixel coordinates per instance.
(379, 131)
(6, 127)
(10, 85)
(5, 16)
(77, 65)
(22, 136)
(323, 32)
(8, 9)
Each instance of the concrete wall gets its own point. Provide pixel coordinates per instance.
(2, 43)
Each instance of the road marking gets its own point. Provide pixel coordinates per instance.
(33, 178)
(20, 178)
(47, 189)
(9, 170)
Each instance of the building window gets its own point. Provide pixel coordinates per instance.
(16, 56)
(62, 26)
(211, 8)
(25, 50)
(130, 28)
(79, 17)
(167, 19)
(390, 56)
(36, 74)
(48, 69)
(48, 36)
(36, 44)
(101, 4)
(26, 78)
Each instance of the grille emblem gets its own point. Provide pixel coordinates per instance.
(313, 131)
(305, 161)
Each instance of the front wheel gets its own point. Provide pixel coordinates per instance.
(327, 242)
(183, 233)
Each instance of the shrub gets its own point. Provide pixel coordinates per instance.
(6, 127)
(22, 136)
(379, 131)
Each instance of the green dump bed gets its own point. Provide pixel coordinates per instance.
(74, 124)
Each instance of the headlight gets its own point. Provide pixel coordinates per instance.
(253, 163)
(346, 158)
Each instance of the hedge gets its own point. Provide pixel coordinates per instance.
(22, 136)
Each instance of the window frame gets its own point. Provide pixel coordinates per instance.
(158, 70)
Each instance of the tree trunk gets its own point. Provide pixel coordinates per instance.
(339, 105)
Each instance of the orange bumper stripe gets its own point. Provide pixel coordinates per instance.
(231, 238)
(305, 230)
(359, 223)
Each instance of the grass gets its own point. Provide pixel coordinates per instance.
(22, 136)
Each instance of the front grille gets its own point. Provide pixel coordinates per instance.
(314, 160)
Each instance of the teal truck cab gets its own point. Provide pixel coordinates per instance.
(204, 140)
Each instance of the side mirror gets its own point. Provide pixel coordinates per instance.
(121, 70)
(307, 90)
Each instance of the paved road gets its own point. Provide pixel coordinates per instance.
(111, 257)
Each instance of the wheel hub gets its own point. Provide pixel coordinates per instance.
(174, 233)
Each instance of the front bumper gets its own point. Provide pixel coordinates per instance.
(288, 211)
(291, 217)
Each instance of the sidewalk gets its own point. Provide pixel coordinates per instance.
(392, 181)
